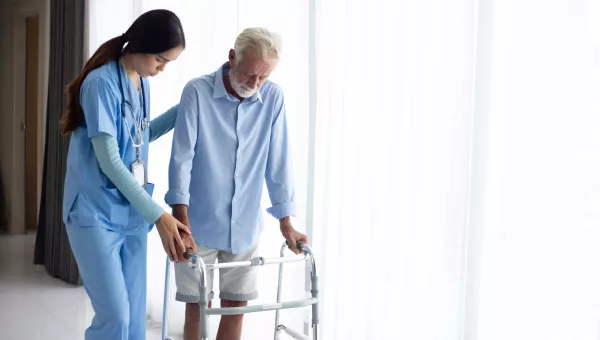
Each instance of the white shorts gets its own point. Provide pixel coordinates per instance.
(235, 284)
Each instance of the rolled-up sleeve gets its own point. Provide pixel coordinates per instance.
(183, 148)
(279, 174)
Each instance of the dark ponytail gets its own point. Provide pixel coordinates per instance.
(107, 52)
(153, 32)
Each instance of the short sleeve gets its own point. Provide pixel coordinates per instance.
(99, 107)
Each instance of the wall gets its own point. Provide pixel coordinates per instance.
(5, 114)
(9, 126)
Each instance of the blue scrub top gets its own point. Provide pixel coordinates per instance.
(90, 198)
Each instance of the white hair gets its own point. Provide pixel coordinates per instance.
(258, 42)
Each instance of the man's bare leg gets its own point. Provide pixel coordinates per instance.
(230, 327)
(191, 327)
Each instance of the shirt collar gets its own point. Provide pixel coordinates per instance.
(220, 91)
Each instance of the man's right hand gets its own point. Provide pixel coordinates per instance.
(188, 242)
(179, 211)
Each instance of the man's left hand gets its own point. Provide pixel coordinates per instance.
(291, 235)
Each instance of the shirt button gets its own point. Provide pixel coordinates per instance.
(237, 174)
(233, 222)
(234, 199)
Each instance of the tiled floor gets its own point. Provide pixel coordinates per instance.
(34, 305)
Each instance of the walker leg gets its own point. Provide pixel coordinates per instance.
(203, 316)
(314, 280)
(165, 317)
(197, 263)
(314, 290)
(277, 328)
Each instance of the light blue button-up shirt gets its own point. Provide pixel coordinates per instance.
(223, 152)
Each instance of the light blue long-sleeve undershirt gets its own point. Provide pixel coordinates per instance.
(107, 152)
(163, 123)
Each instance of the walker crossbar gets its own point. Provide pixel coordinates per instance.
(261, 308)
(257, 261)
(196, 262)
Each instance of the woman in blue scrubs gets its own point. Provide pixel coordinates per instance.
(107, 204)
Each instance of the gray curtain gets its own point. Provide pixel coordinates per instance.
(3, 207)
(66, 59)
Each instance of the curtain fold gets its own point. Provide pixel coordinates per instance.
(3, 207)
(52, 248)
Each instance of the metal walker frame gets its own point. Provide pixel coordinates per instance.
(195, 261)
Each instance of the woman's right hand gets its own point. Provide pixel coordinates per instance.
(168, 228)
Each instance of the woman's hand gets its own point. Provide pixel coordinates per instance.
(168, 228)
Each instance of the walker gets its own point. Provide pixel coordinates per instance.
(197, 263)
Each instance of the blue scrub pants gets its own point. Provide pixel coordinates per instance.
(113, 271)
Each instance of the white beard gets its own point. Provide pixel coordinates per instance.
(241, 90)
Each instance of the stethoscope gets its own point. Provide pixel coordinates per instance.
(140, 124)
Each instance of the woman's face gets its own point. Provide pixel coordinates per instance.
(149, 65)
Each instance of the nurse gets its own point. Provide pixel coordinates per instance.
(107, 204)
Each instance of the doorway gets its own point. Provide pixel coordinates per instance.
(25, 127)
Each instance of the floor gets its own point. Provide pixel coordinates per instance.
(37, 306)
(33, 305)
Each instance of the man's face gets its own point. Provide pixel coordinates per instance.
(248, 74)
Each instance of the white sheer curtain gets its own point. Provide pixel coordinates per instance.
(394, 96)
(539, 259)
(401, 202)
(451, 160)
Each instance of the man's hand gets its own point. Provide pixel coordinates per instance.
(291, 235)
(180, 213)
(188, 242)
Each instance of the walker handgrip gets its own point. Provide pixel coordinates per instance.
(299, 245)
(189, 252)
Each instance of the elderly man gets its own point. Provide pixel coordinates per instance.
(230, 138)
